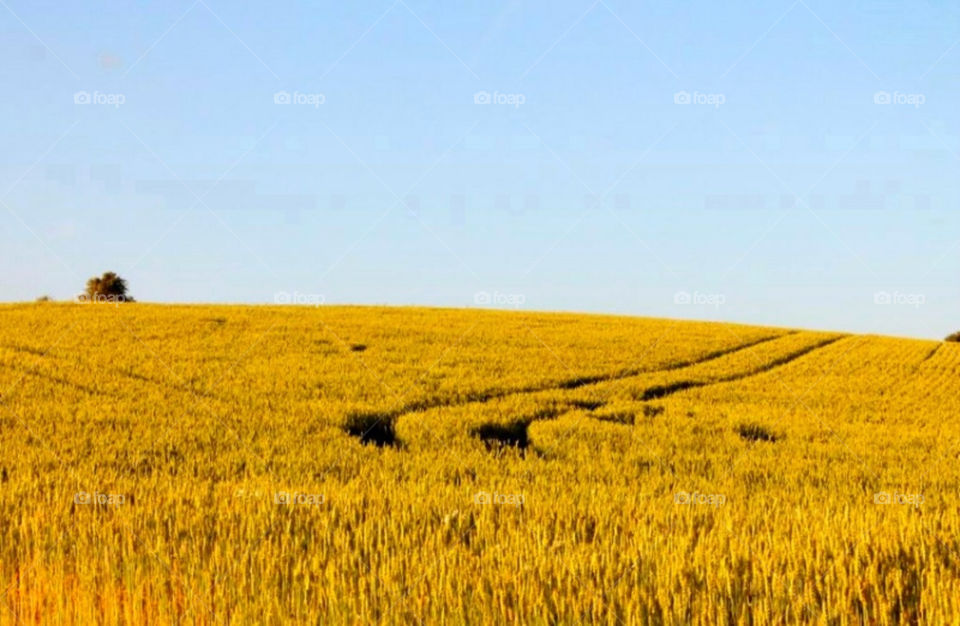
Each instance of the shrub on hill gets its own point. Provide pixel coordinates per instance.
(107, 288)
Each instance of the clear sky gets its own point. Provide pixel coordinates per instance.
(786, 163)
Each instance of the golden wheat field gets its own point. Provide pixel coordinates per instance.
(355, 465)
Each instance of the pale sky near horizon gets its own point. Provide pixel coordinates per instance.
(783, 163)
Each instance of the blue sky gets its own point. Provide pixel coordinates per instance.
(785, 163)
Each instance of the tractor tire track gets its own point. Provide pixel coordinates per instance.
(662, 391)
(378, 426)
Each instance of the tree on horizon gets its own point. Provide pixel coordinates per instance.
(109, 287)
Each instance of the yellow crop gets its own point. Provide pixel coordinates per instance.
(356, 465)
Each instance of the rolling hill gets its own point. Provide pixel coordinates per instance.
(246, 464)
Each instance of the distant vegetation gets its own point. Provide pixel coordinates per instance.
(107, 288)
(954, 337)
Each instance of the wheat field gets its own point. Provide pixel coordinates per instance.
(355, 465)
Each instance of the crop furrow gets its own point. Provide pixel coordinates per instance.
(377, 426)
(662, 391)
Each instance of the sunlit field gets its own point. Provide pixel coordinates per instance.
(267, 465)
